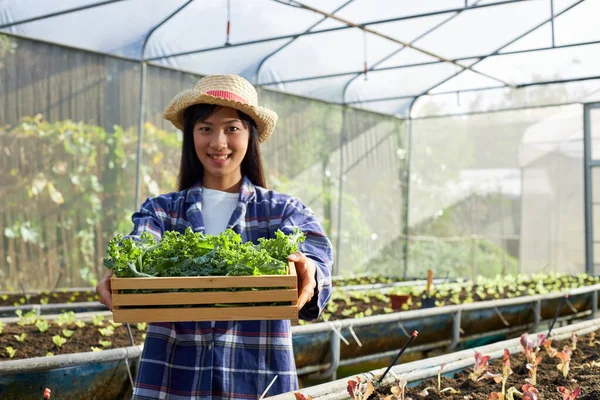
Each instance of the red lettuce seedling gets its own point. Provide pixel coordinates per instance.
(529, 392)
(300, 396)
(506, 370)
(533, 371)
(565, 358)
(480, 367)
(360, 390)
(573, 341)
(551, 351)
(567, 394)
(531, 347)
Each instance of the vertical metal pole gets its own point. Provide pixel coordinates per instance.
(406, 211)
(456, 319)
(594, 304)
(587, 182)
(138, 169)
(537, 315)
(336, 265)
(552, 20)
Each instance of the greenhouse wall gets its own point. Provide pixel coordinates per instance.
(68, 136)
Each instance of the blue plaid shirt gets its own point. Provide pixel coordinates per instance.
(235, 359)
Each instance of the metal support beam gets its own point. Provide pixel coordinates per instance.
(382, 21)
(262, 62)
(552, 20)
(518, 86)
(143, 67)
(537, 315)
(422, 64)
(587, 181)
(394, 40)
(456, 318)
(58, 13)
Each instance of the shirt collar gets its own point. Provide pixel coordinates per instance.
(247, 192)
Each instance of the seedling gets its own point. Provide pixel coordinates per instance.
(95, 348)
(44, 300)
(115, 324)
(300, 396)
(20, 338)
(506, 370)
(4, 297)
(529, 392)
(67, 318)
(141, 326)
(480, 369)
(58, 340)
(49, 354)
(11, 352)
(108, 331)
(533, 371)
(42, 326)
(80, 324)
(1, 327)
(531, 348)
(440, 377)
(67, 333)
(551, 351)
(105, 343)
(573, 341)
(567, 394)
(98, 320)
(360, 390)
(565, 358)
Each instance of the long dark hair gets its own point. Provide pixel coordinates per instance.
(191, 170)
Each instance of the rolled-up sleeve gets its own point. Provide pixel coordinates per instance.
(317, 247)
(150, 218)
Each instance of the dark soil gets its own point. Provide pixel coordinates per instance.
(47, 297)
(582, 374)
(38, 344)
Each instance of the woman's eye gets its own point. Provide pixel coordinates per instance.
(204, 129)
(233, 129)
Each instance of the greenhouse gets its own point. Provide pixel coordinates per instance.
(449, 150)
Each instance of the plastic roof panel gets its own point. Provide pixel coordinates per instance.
(566, 63)
(484, 30)
(189, 30)
(107, 29)
(326, 53)
(395, 83)
(243, 60)
(361, 11)
(120, 28)
(586, 17)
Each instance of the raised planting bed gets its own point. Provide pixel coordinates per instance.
(470, 374)
(60, 296)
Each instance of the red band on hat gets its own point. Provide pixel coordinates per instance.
(226, 95)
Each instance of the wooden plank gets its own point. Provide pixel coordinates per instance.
(204, 282)
(205, 314)
(254, 296)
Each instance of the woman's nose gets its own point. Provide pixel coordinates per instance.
(219, 140)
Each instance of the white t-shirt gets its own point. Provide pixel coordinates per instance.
(217, 207)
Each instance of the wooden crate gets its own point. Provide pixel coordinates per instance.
(143, 307)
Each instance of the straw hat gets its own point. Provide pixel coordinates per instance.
(224, 90)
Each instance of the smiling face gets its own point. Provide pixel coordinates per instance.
(221, 142)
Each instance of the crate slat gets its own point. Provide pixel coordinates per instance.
(205, 314)
(207, 282)
(287, 292)
(254, 296)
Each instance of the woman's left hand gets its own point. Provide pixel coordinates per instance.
(306, 270)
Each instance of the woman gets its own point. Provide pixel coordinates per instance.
(222, 185)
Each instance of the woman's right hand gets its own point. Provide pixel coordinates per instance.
(104, 291)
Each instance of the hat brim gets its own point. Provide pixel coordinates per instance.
(265, 118)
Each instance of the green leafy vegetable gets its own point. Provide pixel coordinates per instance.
(197, 254)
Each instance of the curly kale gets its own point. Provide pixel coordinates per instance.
(197, 254)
